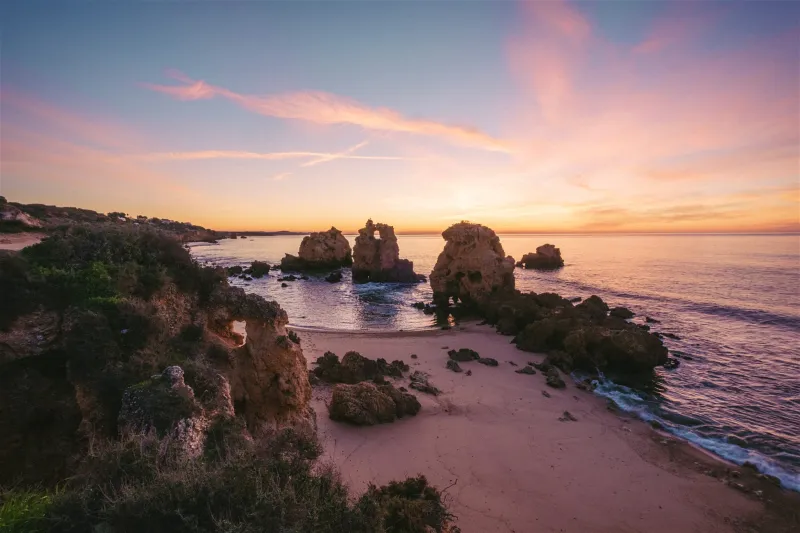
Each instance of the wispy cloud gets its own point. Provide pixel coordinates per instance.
(326, 108)
(282, 176)
(315, 157)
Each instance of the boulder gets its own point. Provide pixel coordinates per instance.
(621, 312)
(378, 259)
(320, 251)
(366, 404)
(463, 355)
(471, 266)
(553, 378)
(547, 257)
(488, 361)
(453, 365)
(419, 381)
(355, 368)
(334, 277)
(259, 269)
(526, 370)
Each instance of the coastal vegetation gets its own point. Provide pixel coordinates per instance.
(129, 404)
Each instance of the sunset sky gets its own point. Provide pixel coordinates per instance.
(531, 116)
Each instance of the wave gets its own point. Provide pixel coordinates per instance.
(632, 401)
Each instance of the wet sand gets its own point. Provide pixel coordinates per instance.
(508, 462)
(18, 241)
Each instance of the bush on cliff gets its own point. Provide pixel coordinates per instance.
(273, 485)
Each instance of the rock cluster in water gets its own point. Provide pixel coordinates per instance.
(471, 266)
(472, 270)
(547, 257)
(320, 251)
(378, 259)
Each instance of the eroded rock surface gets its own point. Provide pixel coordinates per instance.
(355, 368)
(471, 266)
(378, 259)
(319, 251)
(547, 257)
(367, 404)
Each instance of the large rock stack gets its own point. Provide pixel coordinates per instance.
(320, 251)
(547, 257)
(378, 259)
(471, 266)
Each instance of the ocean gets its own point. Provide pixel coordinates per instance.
(732, 300)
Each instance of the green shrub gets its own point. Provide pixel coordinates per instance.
(23, 511)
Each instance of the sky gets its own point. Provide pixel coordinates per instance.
(604, 116)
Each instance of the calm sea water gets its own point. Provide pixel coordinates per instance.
(734, 301)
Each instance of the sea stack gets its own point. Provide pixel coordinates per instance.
(472, 264)
(547, 257)
(378, 259)
(320, 251)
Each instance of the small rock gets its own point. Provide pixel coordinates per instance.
(453, 365)
(464, 355)
(655, 424)
(334, 277)
(526, 370)
(567, 417)
(545, 394)
(284, 285)
(488, 361)
(512, 363)
(554, 379)
(651, 320)
(469, 373)
(672, 364)
(413, 356)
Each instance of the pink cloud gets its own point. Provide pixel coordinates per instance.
(325, 108)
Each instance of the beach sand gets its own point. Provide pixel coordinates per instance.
(509, 465)
(18, 241)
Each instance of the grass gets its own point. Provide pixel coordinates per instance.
(21, 511)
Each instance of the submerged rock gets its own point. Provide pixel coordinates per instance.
(366, 404)
(378, 259)
(621, 312)
(472, 265)
(334, 277)
(319, 251)
(547, 257)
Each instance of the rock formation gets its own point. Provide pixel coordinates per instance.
(268, 374)
(166, 405)
(378, 259)
(320, 251)
(13, 216)
(366, 404)
(547, 257)
(471, 266)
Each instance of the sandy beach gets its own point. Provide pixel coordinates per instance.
(495, 440)
(18, 241)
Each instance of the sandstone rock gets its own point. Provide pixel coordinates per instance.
(166, 405)
(488, 361)
(547, 257)
(594, 307)
(267, 374)
(320, 251)
(365, 404)
(11, 214)
(471, 266)
(379, 259)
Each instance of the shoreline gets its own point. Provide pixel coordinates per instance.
(496, 440)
